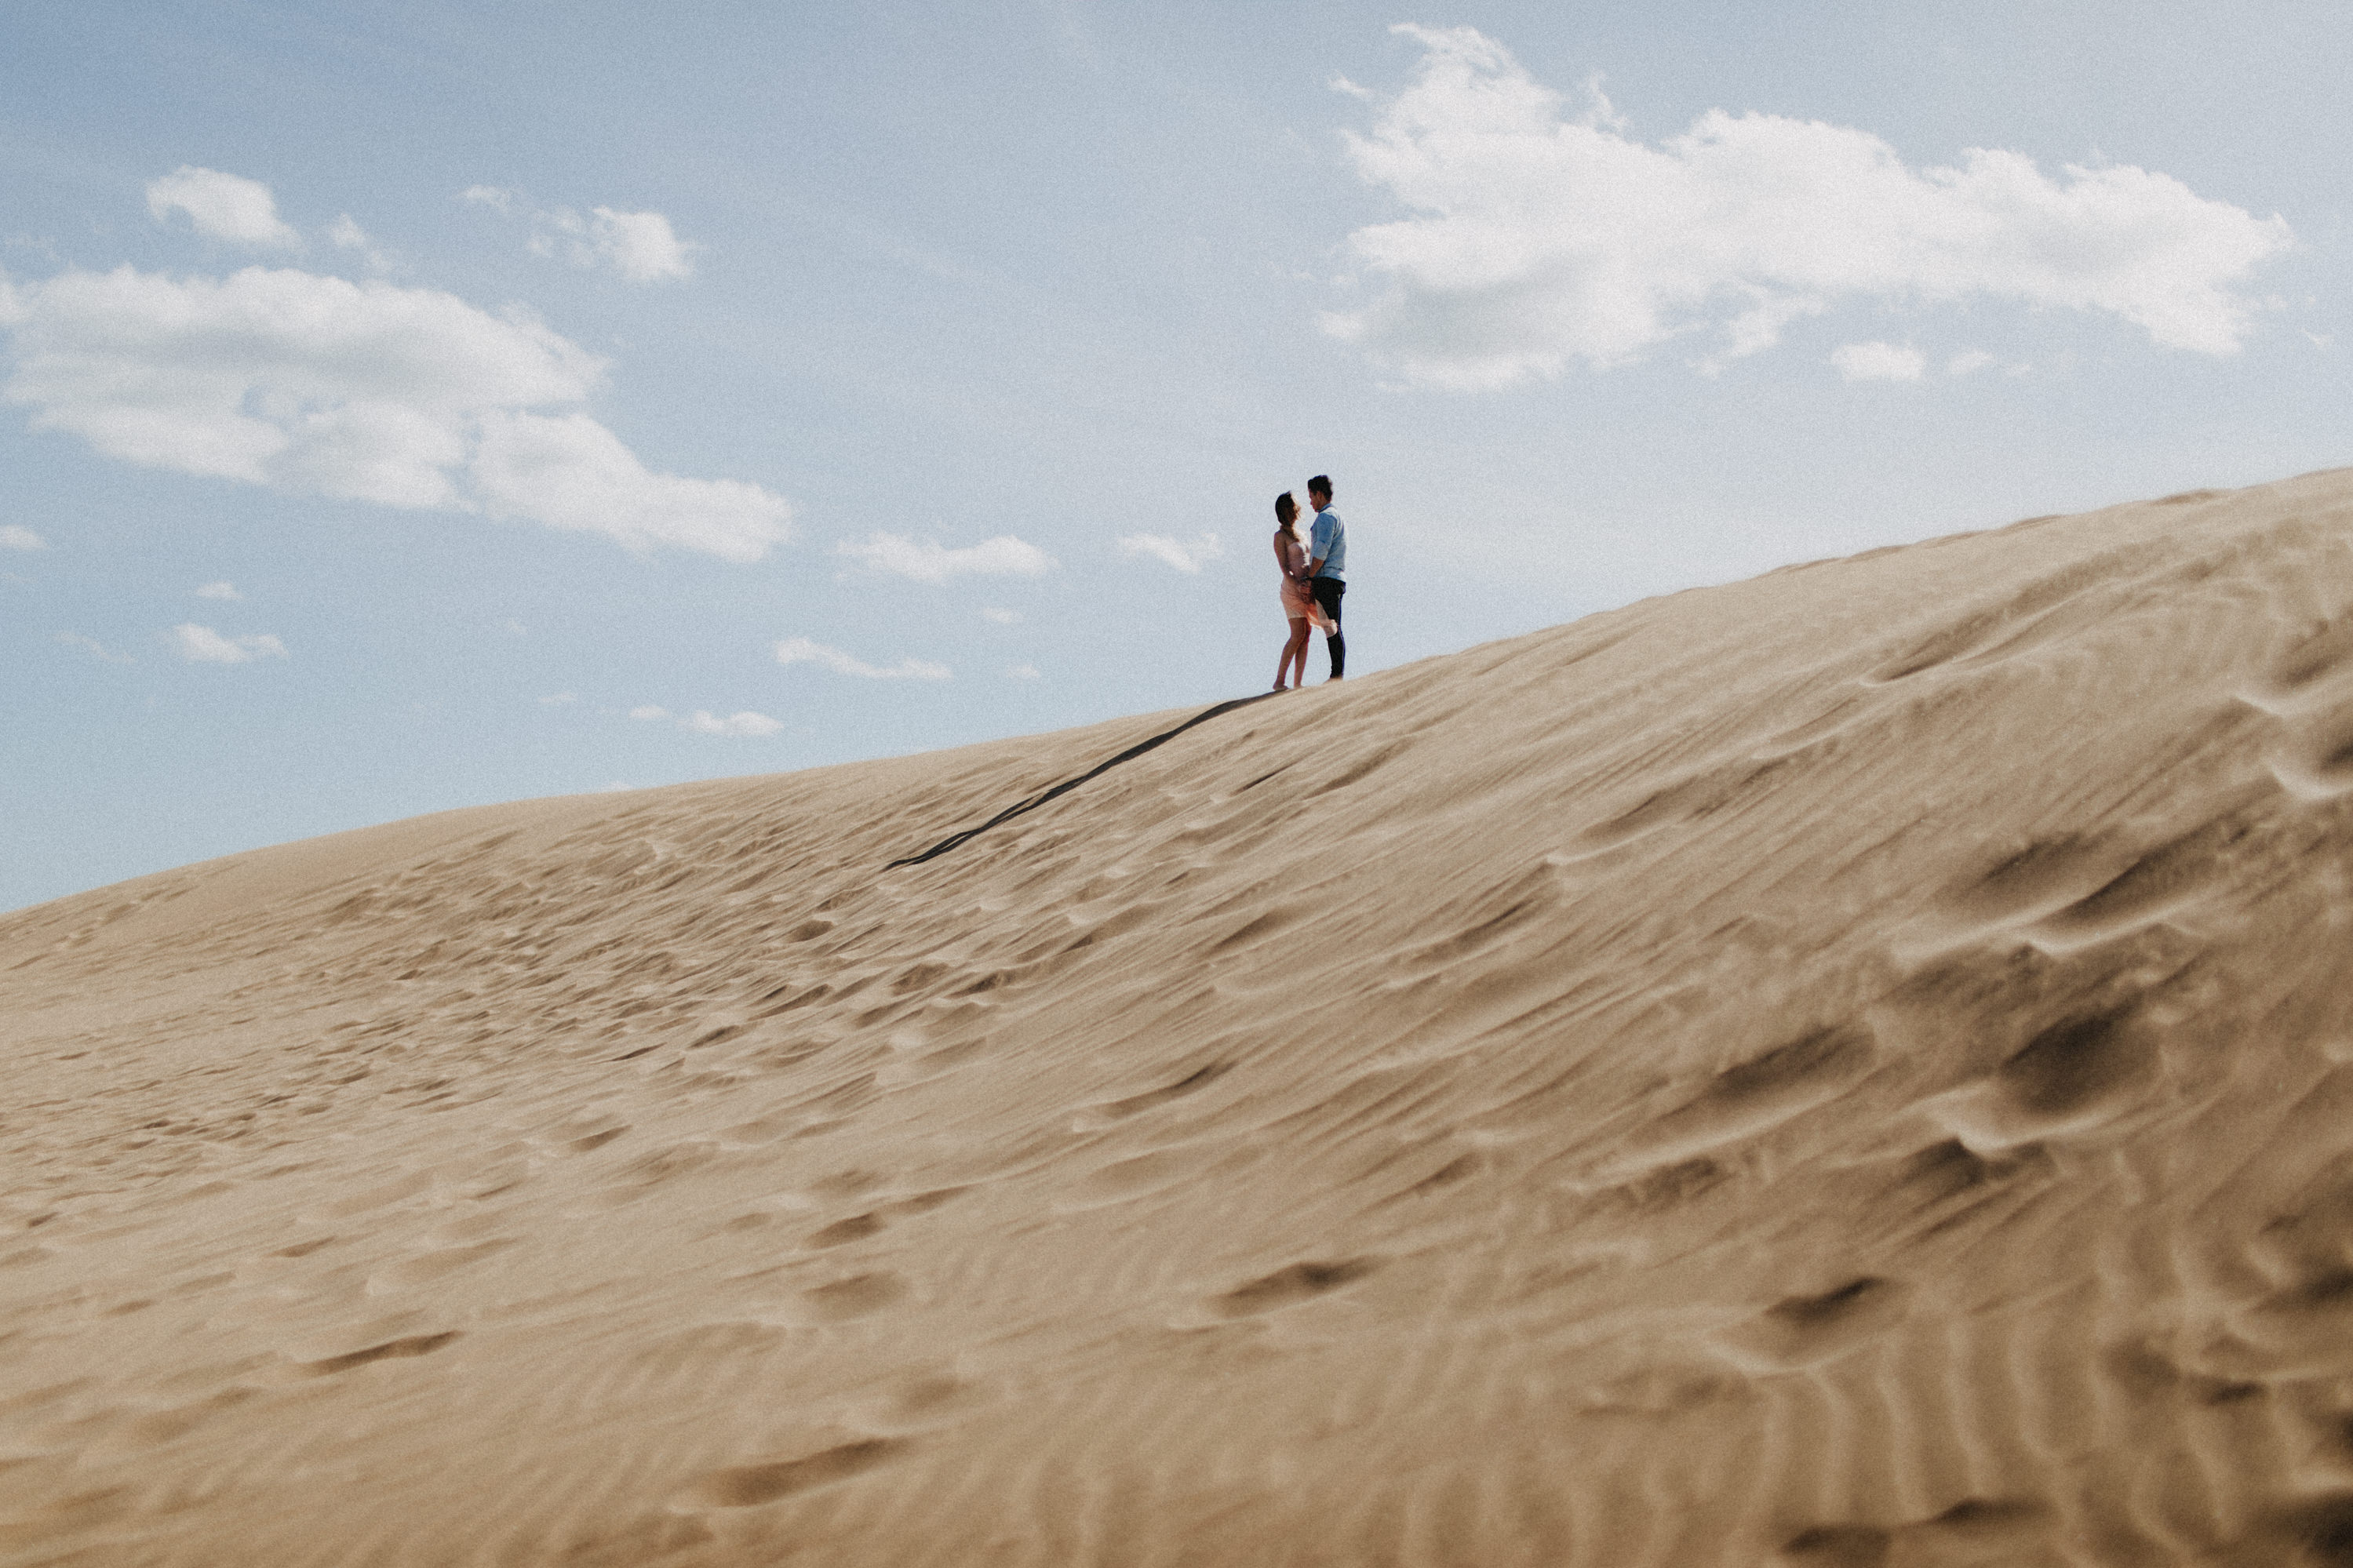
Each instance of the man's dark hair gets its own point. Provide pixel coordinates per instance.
(1321, 484)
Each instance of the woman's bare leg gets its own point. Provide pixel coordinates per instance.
(1294, 652)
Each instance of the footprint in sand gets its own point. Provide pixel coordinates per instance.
(2075, 1064)
(749, 1486)
(1999, 631)
(857, 1227)
(1751, 1098)
(1109, 1111)
(648, 1171)
(390, 1349)
(1974, 1530)
(2070, 1077)
(924, 1400)
(428, 1266)
(1139, 1175)
(2313, 761)
(2019, 886)
(1800, 1332)
(2306, 674)
(590, 1141)
(2317, 1530)
(2069, 891)
(1699, 794)
(859, 1295)
(2185, 870)
(1288, 1287)
(157, 1427)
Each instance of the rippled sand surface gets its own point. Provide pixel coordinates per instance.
(1846, 1068)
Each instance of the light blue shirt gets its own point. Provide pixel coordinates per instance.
(1328, 542)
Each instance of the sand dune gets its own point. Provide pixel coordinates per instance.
(1852, 1068)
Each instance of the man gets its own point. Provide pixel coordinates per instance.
(1327, 548)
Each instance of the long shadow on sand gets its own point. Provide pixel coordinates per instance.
(1035, 801)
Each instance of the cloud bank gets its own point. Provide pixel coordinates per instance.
(202, 645)
(1003, 556)
(15, 536)
(701, 722)
(1539, 238)
(641, 247)
(223, 206)
(372, 391)
(1879, 361)
(802, 651)
(744, 723)
(1185, 555)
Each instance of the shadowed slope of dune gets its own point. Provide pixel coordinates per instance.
(1851, 1067)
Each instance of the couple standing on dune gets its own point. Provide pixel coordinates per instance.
(1311, 581)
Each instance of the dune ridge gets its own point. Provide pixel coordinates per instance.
(1845, 1068)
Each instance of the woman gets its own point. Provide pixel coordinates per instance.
(1298, 601)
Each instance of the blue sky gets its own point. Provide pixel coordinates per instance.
(409, 406)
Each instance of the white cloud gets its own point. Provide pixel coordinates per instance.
(406, 397)
(1001, 618)
(219, 591)
(559, 700)
(641, 247)
(1538, 238)
(568, 472)
(1021, 672)
(16, 537)
(701, 722)
(1879, 361)
(1967, 359)
(744, 723)
(94, 647)
(1184, 555)
(202, 645)
(225, 206)
(348, 234)
(1003, 556)
(801, 650)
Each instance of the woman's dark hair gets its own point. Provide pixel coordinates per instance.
(1286, 511)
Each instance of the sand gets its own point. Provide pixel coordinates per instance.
(1851, 1068)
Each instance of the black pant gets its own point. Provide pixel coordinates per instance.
(1328, 592)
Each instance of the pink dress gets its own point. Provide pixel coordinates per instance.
(1298, 603)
